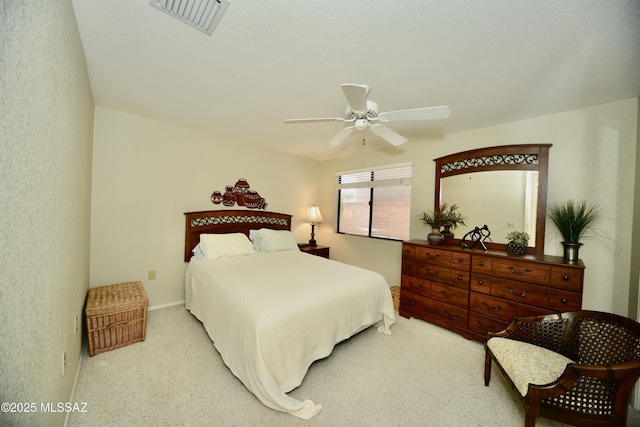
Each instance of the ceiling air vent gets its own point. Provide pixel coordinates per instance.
(201, 14)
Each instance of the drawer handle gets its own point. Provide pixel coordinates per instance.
(481, 264)
(432, 256)
(518, 294)
(520, 273)
(410, 301)
(565, 277)
(460, 260)
(407, 266)
(460, 277)
(415, 286)
(432, 273)
(480, 282)
(451, 316)
(564, 300)
(483, 327)
(450, 296)
(494, 309)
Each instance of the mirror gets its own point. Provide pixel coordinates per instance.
(503, 187)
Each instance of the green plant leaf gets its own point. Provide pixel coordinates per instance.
(575, 219)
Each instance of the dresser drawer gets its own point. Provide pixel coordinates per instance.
(481, 264)
(447, 313)
(520, 270)
(437, 273)
(525, 293)
(408, 251)
(412, 304)
(461, 261)
(431, 255)
(481, 283)
(460, 279)
(450, 295)
(564, 300)
(415, 285)
(492, 307)
(525, 310)
(567, 278)
(483, 325)
(408, 267)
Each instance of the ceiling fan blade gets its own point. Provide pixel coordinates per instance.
(341, 136)
(387, 134)
(356, 96)
(427, 113)
(290, 121)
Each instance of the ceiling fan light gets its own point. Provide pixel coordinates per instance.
(361, 124)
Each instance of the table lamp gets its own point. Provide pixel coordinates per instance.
(314, 216)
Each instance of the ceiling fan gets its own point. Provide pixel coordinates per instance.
(363, 114)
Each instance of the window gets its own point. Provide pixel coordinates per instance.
(375, 202)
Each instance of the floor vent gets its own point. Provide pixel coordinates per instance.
(201, 14)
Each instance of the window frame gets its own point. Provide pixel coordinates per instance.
(372, 183)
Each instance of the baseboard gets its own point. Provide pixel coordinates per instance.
(171, 304)
(75, 380)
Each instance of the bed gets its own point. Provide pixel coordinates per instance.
(270, 309)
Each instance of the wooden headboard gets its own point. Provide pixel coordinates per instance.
(229, 221)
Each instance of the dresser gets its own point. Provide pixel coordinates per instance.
(471, 292)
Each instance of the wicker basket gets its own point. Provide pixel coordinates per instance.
(395, 294)
(116, 316)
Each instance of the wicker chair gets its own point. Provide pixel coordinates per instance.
(595, 389)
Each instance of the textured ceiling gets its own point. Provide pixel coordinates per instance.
(491, 62)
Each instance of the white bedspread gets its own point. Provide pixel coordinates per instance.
(270, 315)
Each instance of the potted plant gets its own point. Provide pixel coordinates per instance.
(575, 220)
(518, 241)
(446, 216)
(452, 220)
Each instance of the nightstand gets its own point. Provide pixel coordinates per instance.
(322, 251)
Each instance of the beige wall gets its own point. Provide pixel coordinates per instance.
(146, 174)
(46, 120)
(593, 158)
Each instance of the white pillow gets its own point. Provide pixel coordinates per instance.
(277, 240)
(197, 252)
(222, 245)
(256, 239)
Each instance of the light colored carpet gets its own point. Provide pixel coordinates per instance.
(421, 375)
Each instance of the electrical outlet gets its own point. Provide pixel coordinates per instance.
(511, 224)
(64, 362)
(152, 275)
(75, 325)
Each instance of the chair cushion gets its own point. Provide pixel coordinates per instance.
(526, 363)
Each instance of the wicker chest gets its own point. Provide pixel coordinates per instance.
(116, 316)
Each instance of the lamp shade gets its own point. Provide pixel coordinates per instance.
(313, 215)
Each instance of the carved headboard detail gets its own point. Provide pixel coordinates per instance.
(229, 221)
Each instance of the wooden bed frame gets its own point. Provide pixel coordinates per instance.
(229, 221)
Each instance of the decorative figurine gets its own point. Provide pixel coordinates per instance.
(477, 235)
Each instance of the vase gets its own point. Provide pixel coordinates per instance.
(240, 190)
(228, 198)
(435, 237)
(571, 250)
(216, 197)
(514, 248)
(446, 232)
(251, 199)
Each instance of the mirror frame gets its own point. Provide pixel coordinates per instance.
(526, 157)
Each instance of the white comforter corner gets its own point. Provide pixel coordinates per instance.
(271, 315)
